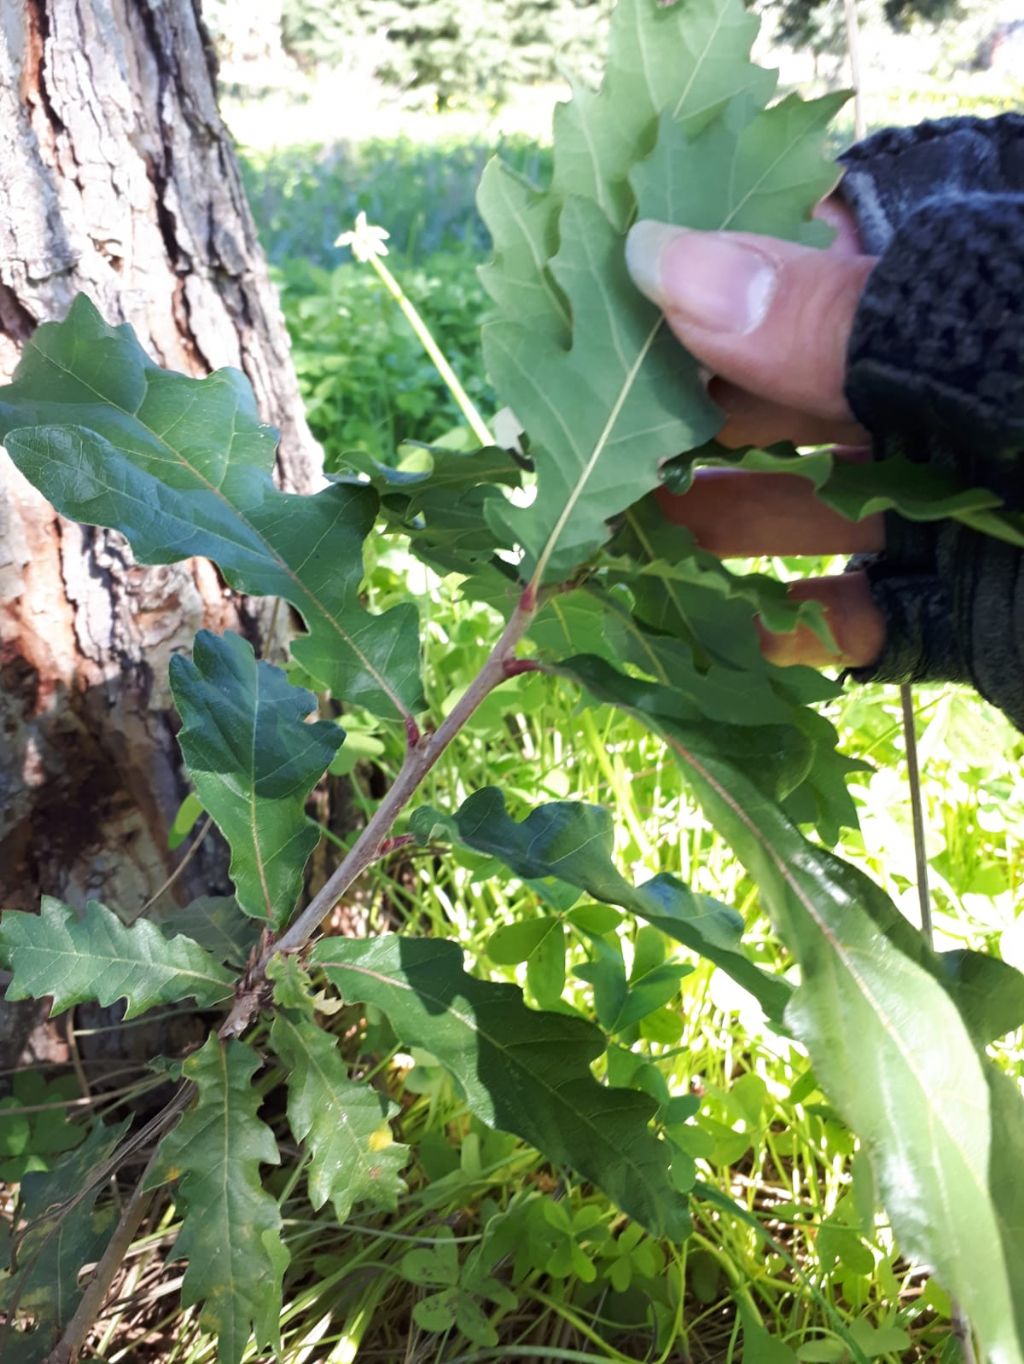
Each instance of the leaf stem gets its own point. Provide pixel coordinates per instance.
(423, 334)
(92, 1300)
(366, 849)
(959, 1321)
(916, 811)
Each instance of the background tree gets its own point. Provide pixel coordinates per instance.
(117, 177)
(452, 49)
(819, 24)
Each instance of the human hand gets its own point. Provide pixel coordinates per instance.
(770, 321)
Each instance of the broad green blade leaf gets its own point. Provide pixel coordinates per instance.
(988, 992)
(182, 467)
(1005, 1183)
(95, 957)
(521, 1071)
(689, 60)
(344, 1124)
(231, 1232)
(885, 1039)
(57, 1244)
(574, 842)
(216, 923)
(253, 760)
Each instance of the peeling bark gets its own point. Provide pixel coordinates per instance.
(118, 178)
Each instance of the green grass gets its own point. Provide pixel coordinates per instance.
(424, 193)
(365, 380)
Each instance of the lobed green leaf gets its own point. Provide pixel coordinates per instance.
(604, 392)
(919, 492)
(182, 467)
(438, 498)
(96, 957)
(343, 1123)
(216, 923)
(772, 171)
(520, 1070)
(602, 415)
(574, 842)
(231, 1231)
(688, 62)
(253, 760)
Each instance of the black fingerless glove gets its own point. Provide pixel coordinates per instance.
(936, 374)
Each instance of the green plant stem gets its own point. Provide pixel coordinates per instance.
(67, 1348)
(563, 1310)
(98, 1175)
(959, 1321)
(600, 751)
(916, 811)
(88, 1101)
(420, 758)
(545, 1352)
(708, 1194)
(205, 825)
(423, 334)
(740, 1289)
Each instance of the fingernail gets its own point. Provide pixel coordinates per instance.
(707, 279)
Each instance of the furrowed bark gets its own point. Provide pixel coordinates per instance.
(118, 178)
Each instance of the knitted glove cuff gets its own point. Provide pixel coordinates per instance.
(892, 172)
(936, 374)
(921, 645)
(937, 347)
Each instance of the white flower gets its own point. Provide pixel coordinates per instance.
(365, 239)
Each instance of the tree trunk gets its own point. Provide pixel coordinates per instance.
(117, 177)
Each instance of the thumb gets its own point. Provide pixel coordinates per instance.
(768, 315)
